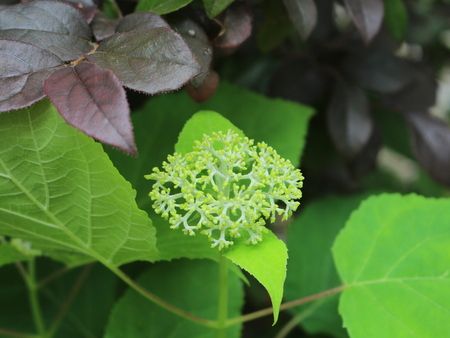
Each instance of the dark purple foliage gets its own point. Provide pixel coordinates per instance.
(92, 99)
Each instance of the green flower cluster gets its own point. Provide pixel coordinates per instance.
(226, 188)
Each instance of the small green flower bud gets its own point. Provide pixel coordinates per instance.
(226, 188)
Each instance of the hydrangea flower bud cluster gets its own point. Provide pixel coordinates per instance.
(226, 188)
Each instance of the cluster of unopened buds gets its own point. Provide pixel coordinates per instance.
(226, 188)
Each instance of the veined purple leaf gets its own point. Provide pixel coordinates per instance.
(348, 119)
(153, 61)
(431, 145)
(66, 47)
(367, 16)
(46, 16)
(303, 14)
(237, 22)
(140, 20)
(92, 99)
(50, 25)
(23, 70)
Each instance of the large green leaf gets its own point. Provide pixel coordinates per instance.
(311, 267)
(161, 6)
(190, 285)
(267, 260)
(394, 257)
(59, 190)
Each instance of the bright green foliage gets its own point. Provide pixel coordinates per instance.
(215, 7)
(161, 6)
(394, 257)
(396, 17)
(267, 263)
(59, 191)
(207, 122)
(310, 265)
(226, 188)
(267, 260)
(190, 285)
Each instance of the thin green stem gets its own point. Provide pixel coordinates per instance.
(222, 305)
(161, 302)
(65, 307)
(298, 318)
(30, 281)
(288, 305)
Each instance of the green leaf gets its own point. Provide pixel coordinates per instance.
(202, 123)
(161, 6)
(215, 7)
(266, 261)
(394, 257)
(396, 18)
(60, 191)
(190, 285)
(310, 266)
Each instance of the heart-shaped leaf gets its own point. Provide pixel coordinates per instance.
(303, 14)
(393, 256)
(152, 61)
(92, 99)
(367, 16)
(267, 260)
(23, 70)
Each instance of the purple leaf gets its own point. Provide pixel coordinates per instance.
(153, 61)
(303, 14)
(49, 25)
(23, 70)
(92, 99)
(103, 27)
(349, 120)
(237, 27)
(138, 21)
(367, 16)
(198, 43)
(46, 16)
(431, 145)
(66, 47)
